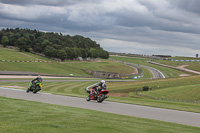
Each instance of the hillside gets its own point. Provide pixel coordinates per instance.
(14, 60)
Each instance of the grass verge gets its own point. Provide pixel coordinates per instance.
(20, 116)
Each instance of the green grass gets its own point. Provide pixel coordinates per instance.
(56, 68)
(103, 65)
(195, 67)
(20, 116)
(168, 72)
(15, 55)
(65, 69)
(185, 92)
(52, 68)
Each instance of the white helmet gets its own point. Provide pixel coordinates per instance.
(103, 81)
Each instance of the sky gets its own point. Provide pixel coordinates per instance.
(166, 27)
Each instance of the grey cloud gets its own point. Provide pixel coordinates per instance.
(154, 21)
(45, 2)
(188, 5)
(40, 2)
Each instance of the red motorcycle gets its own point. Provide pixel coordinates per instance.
(102, 95)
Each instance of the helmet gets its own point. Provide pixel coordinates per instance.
(103, 81)
(104, 86)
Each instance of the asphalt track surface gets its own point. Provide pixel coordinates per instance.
(174, 116)
(156, 74)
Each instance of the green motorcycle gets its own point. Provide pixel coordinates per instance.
(34, 87)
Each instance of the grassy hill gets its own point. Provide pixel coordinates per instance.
(53, 67)
(15, 55)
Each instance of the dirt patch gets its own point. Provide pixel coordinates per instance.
(18, 87)
(182, 66)
(184, 75)
(118, 94)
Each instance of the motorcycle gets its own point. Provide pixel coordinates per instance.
(34, 87)
(100, 97)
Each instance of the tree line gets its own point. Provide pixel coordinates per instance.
(55, 45)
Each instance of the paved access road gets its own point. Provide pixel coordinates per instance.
(174, 116)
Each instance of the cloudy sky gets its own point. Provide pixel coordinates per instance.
(169, 27)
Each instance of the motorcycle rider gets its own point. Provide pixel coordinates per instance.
(34, 81)
(102, 85)
(38, 80)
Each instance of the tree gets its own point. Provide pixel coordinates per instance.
(22, 44)
(68, 52)
(5, 41)
(62, 54)
(1, 35)
(75, 53)
(93, 53)
(50, 51)
(103, 54)
(84, 53)
(13, 38)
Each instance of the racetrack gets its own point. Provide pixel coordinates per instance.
(181, 117)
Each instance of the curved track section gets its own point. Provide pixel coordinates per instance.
(174, 116)
(156, 73)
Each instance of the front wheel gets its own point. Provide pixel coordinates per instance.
(101, 98)
(88, 98)
(28, 90)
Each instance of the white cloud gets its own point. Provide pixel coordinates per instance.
(29, 12)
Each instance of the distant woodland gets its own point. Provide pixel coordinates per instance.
(54, 45)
